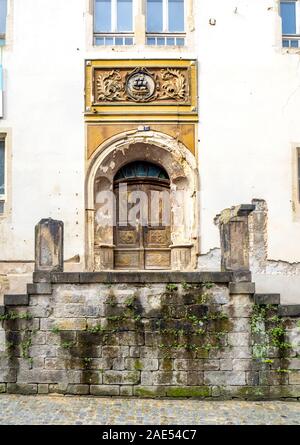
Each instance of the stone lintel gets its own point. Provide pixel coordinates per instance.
(267, 298)
(289, 310)
(16, 300)
(143, 277)
(242, 288)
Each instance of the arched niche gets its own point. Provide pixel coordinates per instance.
(180, 165)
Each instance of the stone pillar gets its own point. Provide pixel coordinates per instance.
(49, 246)
(234, 234)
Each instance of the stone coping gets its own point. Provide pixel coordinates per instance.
(137, 277)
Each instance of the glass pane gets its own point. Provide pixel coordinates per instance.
(102, 17)
(161, 41)
(171, 41)
(2, 168)
(128, 41)
(1, 206)
(150, 41)
(288, 14)
(3, 12)
(180, 42)
(176, 15)
(124, 15)
(154, 15)
(285, 43)
(99, 41)
(294, 43)
(109, 41)
(119, 41)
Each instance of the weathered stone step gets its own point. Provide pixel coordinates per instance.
(267, 298)
(16, 300)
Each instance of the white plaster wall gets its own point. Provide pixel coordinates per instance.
(249, 97)
(249, 117)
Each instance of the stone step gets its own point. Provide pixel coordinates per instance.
(16, 300)
(267, 298)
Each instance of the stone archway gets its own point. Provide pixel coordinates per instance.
(181, 167)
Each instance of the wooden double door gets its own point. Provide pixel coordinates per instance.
(142, 238)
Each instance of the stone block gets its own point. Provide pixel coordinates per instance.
(291, 310)
(167, 378)
(241, 339)
(223, 378)
(18, 388)
(241, 288)
(39, 289)
(121, 377)
(226, 364)
(43, 388)
(267, 299)
(146, 378)
(2, 388)
(41, 277)
(194, 378)
(16, 300)
(8, 375)
(49, 239)
(105, 390)
(78, 390)
(149, 391)
(188, 365)
(141, 364)
(294, 378)
(71, 324)
(126, 391)
(186, 391)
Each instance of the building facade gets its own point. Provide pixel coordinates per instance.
(194, 100)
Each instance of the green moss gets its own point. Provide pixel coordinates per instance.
(189, 391)
(138, 365)
(149, 392)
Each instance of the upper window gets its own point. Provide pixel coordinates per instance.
(113, 22)
(165, 22)
(3, 12)
(2, 175)
(290, 14)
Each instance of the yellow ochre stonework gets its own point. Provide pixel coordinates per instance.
(97, 133)
(141, 90)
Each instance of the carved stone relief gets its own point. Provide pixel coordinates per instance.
(167, 85)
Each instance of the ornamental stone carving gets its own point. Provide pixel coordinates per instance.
(167, 85)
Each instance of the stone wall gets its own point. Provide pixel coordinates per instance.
(149, 334)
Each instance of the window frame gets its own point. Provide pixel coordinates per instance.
(165, 33)
(295, 37)
(3, 35)
(113, 33)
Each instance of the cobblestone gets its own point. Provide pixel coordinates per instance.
(55, 410)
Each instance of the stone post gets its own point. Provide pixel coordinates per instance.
(49, 246)
(234, 234)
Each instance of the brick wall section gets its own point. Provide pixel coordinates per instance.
(150, 340)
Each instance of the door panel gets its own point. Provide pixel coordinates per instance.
(141, 245)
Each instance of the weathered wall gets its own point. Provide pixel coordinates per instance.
(248, 103)
(187, 338)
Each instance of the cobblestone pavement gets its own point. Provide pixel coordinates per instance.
(55, 410)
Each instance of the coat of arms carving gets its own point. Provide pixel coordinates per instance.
(160, 85)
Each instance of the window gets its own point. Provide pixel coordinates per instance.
(113, 22)
(2, 175)
(3, 12)
(165, 22)
(290, 15)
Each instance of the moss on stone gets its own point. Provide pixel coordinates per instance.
(149, 392)
(189, 391)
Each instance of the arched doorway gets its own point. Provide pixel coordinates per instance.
(142, 236)
(180, 166)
